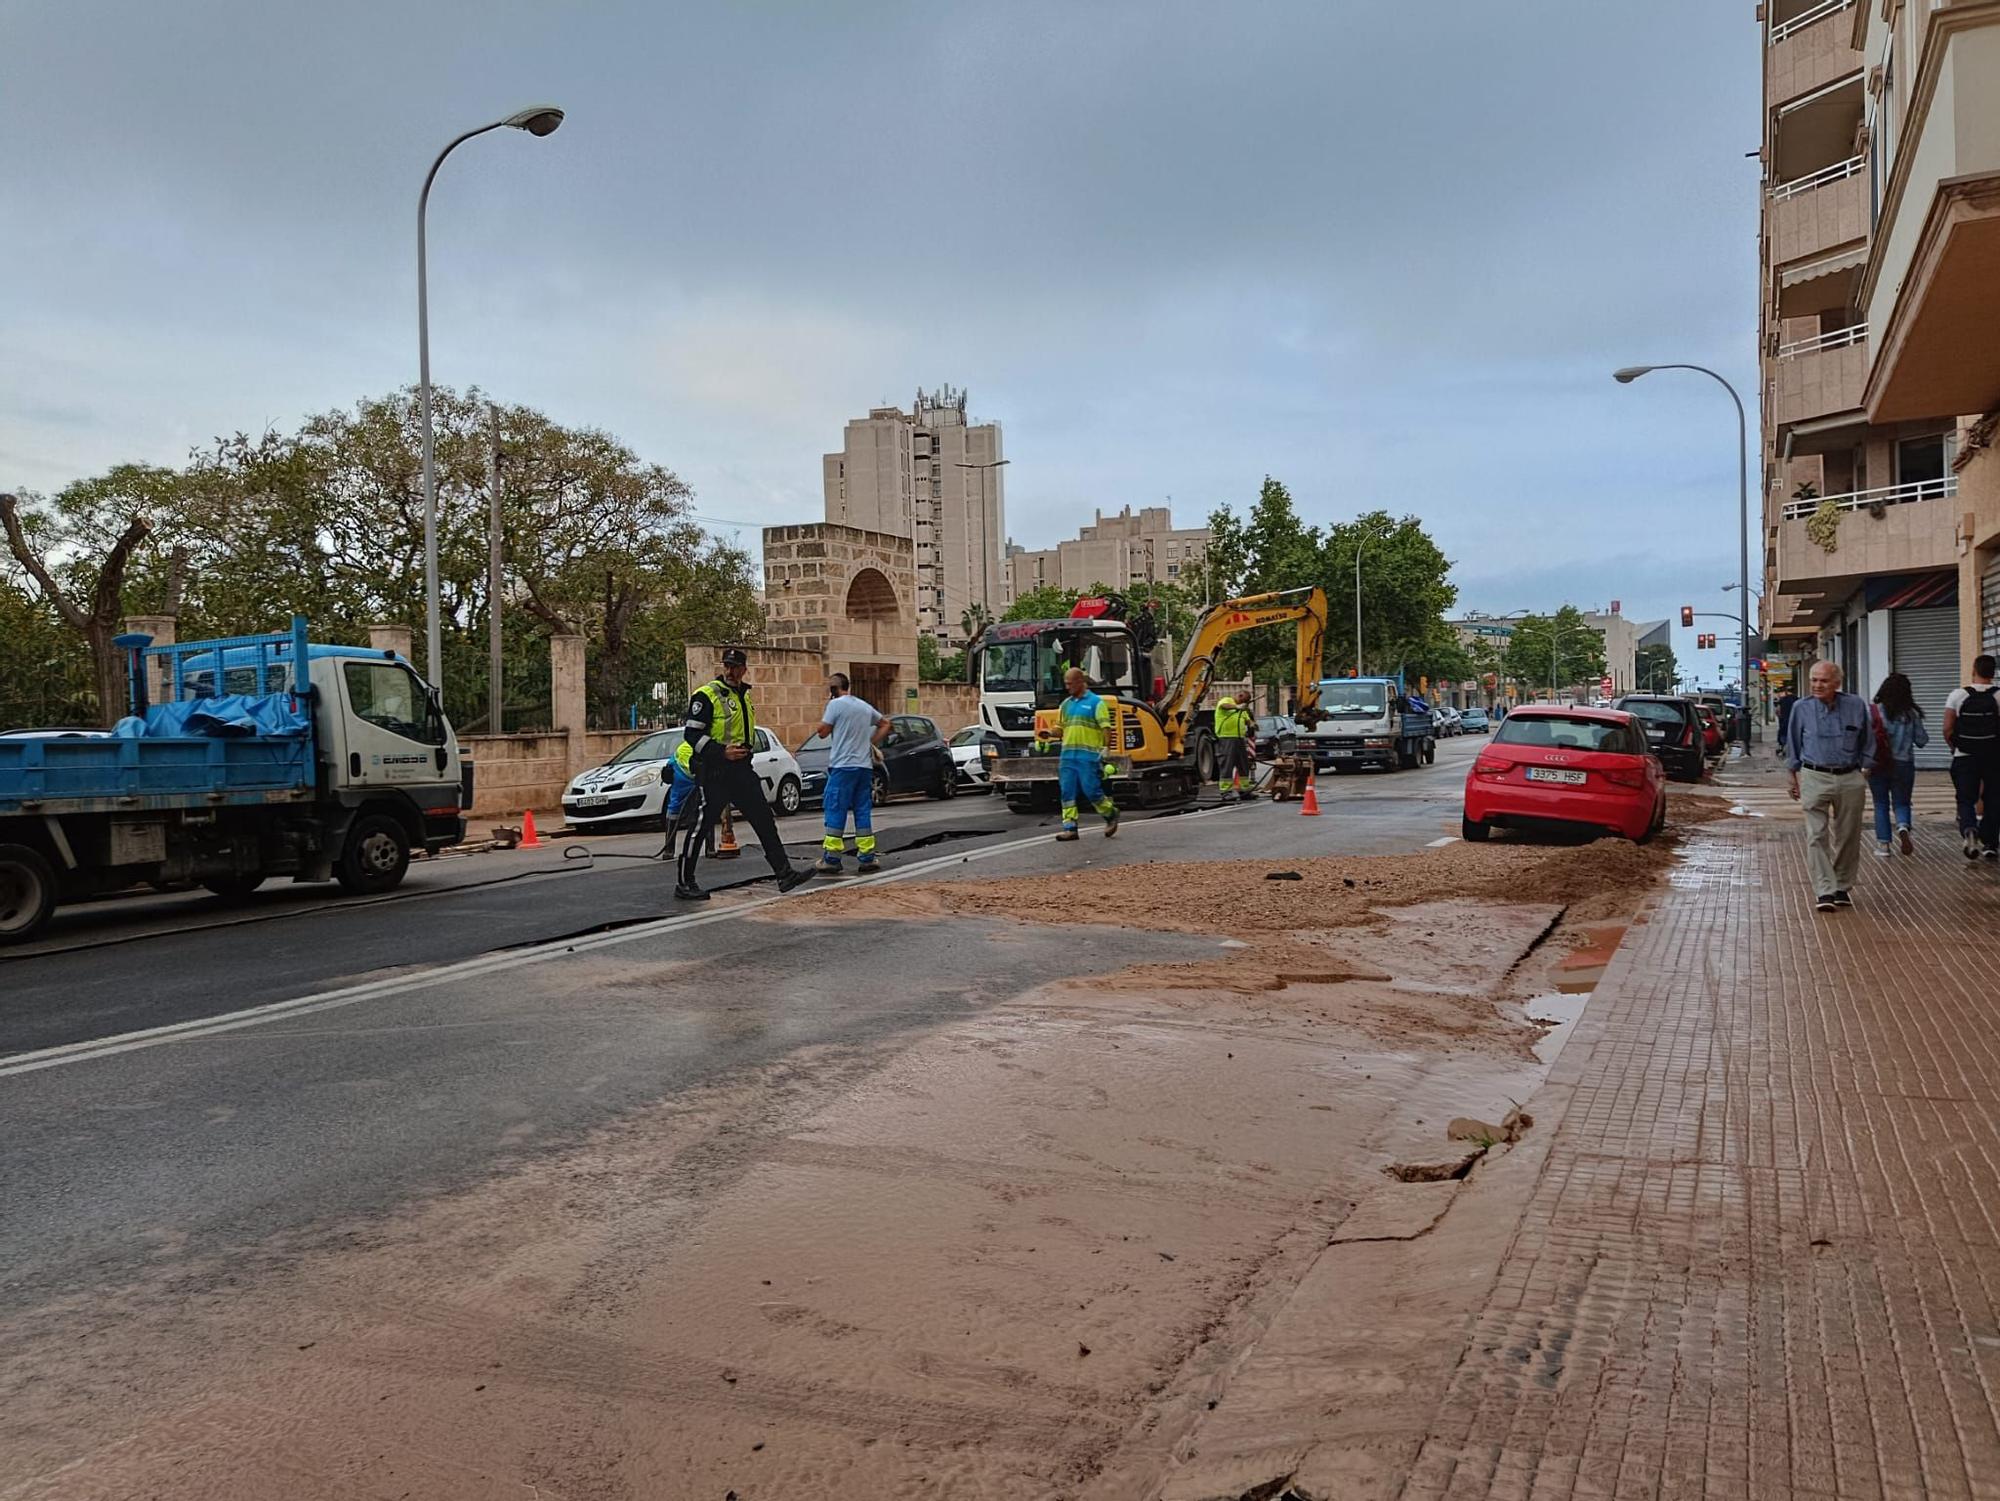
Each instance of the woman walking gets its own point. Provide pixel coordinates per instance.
(1899, 730)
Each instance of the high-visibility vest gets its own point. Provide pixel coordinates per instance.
(1232, 724)
(684, 756)
(1086, 723)
(733, 723)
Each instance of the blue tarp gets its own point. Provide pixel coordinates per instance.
(234, 715)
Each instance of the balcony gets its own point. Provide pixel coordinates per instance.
(1893, 529)
(1819, 376)
(1814, 213)
(1810, 43)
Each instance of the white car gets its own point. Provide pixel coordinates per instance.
(966, 759)
(633, 785)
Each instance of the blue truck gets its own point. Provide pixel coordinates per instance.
(1370, 722)
(264, 756)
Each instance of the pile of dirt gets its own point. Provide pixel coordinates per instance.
(1233, 896)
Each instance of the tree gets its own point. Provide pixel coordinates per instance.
(1654, 669)
(1269, 550)
(1405, 592)
(78, 550)
(1559, 651)
(974, 620)
(935, 667)
(1045, 603)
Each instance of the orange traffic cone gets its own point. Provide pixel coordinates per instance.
(528, 839)
(727, 850)
(1310, 807)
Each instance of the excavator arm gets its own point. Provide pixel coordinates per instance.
(1220, 622)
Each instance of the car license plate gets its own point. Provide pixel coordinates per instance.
(593, 800)
(1548, 774)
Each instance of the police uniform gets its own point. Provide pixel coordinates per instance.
(718, 717)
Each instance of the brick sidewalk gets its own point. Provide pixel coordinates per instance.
(1761, 1258)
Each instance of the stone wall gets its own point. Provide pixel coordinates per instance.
(954, 705)
(848, 595)
(513, 772)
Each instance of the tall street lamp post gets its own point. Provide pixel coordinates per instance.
(1631, 373)
(985, 522)
(1359, 544)
(538, 121)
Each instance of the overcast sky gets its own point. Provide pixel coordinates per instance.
(1388, 253)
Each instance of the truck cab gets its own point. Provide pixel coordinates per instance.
(1370, 722)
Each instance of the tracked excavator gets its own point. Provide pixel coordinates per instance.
(1161, 748)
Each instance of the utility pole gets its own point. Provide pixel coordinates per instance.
(495, 694)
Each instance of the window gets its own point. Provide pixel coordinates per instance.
(1566, 734)
(972, 734)
(764, 741)
(1920, 460)
(1173, 570)
(659, 746)
(388, 696)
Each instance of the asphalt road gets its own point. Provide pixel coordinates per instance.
(218, 1085)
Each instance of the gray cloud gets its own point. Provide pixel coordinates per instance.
(1388, 253)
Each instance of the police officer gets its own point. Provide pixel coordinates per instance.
(721, 737)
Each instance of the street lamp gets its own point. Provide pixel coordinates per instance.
(540, 120)
(986, 540)
(1359, 543)
(1631, 373)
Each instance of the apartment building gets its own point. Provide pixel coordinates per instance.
(1120, 551)
(932, 475)
(1862, 555)
(1930, 291)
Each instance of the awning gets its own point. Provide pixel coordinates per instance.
(1913, 591)
(1831, 434)
(1820, 285)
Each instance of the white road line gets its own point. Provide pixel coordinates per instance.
(1438, 844)
(484, 964)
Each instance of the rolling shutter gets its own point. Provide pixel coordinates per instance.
(1989, 608)
(1926, 650)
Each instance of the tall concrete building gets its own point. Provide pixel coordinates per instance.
(1869, 108)
(1118, 551)
(932, 476)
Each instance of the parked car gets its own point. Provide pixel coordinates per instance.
(1673, 731)
(1474, 722)
(914, 758)
(1714, 741)
(1567, 767)
(1271, 733)
(967, 760)
(1449, 722)
(633, 785)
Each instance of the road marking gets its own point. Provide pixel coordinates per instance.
(484, 964)
(1438, 844)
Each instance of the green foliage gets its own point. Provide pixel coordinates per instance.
(328, 522)
(1045, 603)
(936, 667)
(1655, 670)
(1558, 651)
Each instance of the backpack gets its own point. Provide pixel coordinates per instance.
(1978, 725)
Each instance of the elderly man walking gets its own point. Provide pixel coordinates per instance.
(1829, 746)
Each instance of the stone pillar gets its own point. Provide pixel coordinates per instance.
(395, 638)
(159, 684)
(566, 702)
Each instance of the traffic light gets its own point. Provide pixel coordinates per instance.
(1687, 614)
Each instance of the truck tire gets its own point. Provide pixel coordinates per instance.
(27, 893)
(1406, 759)
(1430, 752)
(376, 855)
(233, 888)
(1201, 750)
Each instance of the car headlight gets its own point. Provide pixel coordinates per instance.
(646, 776)
(1375, 742)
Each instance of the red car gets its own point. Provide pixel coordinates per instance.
(1564, 767)
(1714, 742)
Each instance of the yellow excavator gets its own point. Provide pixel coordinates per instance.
(1161, 748)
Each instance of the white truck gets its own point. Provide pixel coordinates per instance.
(266, 756)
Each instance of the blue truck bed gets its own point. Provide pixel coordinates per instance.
(201, 751)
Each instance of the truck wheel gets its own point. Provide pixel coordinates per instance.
(1204, 757)
(27, 893)
(1405, 759)
(1020, 805)
(233, 888)
(1430, 752)
(375, 857)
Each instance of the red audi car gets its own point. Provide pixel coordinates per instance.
(1558, 767)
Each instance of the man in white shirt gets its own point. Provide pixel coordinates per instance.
(853, 728)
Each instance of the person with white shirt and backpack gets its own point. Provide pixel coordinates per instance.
(1972, 730)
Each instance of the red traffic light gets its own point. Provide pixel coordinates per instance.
(1687, 614)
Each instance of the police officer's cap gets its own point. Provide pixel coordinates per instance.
(735, 656)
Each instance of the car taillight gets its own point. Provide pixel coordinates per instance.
(1623, 776)
(1491, 768)
(1687, 735)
